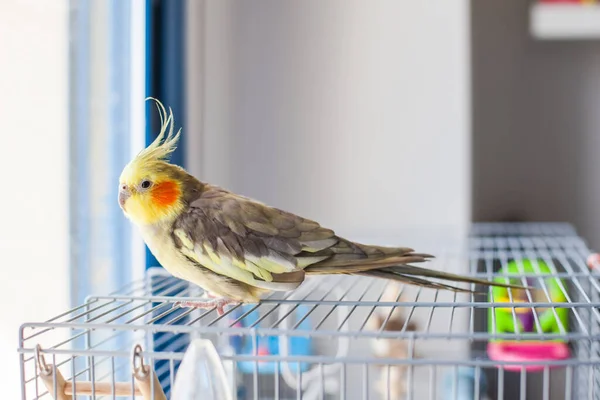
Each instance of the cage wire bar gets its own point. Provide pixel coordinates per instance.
(341, 337)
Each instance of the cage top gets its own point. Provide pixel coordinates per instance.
(344, 313)
(521, 229)
(346, 316)
(364, 307)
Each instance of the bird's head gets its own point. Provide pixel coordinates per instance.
(150, 190)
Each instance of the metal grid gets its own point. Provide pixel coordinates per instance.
(363, 332)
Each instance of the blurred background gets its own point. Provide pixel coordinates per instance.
(387, 120)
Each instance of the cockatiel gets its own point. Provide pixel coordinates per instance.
(236, 248)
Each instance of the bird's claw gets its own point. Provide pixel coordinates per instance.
(209, 304)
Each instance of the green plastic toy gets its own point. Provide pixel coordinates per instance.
(522, 321)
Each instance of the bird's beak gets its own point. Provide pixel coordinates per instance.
(124, 194)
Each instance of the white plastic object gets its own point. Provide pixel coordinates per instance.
(201, 374)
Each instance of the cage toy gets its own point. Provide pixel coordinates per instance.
(526, 319)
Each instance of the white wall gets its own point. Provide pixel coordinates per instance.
(353, 113)
(34, 228)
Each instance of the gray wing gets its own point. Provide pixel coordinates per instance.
(251, 242)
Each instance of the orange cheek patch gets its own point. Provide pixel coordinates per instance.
(165, 193)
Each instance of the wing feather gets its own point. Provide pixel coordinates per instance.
(248, 241)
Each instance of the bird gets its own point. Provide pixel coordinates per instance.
(238, 249)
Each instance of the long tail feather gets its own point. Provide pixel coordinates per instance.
(395, 266)
(412, 280)
(424, 272)
(352, 266)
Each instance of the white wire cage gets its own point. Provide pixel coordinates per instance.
(344, 337)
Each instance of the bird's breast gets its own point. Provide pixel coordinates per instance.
(161, 244)
(163, 247)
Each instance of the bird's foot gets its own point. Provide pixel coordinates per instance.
(219, 303)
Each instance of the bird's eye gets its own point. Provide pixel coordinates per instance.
(146, 184)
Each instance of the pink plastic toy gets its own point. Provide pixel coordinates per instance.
(520, 318)
(527, 352)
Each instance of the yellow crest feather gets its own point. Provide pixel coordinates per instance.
(166, 142)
